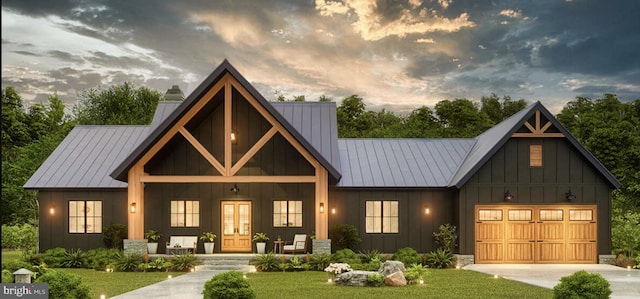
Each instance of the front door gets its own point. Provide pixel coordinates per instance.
(236, 226)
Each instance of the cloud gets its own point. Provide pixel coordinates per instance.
(371, 24)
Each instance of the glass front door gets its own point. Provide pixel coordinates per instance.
(236, 226)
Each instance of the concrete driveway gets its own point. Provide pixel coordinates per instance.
(624, 283)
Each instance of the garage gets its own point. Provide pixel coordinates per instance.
(540, 234)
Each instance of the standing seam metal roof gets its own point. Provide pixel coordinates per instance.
(86, 156)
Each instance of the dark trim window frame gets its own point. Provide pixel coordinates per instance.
(382, 217)
(184, 213)
(287, 213)
(85, 217)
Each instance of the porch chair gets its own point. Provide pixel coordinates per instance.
(298, 245)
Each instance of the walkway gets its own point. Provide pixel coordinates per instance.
(625, 284)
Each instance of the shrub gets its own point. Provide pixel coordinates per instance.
(22, 237)
(338, 268)
(100, 258)
(446, 237)
(407, 256)
(582, 285)
(157, 265)
(375, 279)
(184, 262)
(344, 236)
(415, 272)
(16, 265)
(439, 259)
(346, 256)
(228, 285)
(128, 262)
(624, 261)
(637, 266)
(625, 233)
(266, 262)
(114, 234)
(64, 285)
(319, 261)
(7, 276)
(297, 264)
(54, 257)
(30, 256)
(73, 259)
(368, 255)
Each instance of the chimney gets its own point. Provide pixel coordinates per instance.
(174, 94)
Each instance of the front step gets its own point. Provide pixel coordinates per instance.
(225, 262)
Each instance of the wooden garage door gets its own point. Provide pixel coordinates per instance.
(536, 234)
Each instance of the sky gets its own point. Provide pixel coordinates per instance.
(395, 54)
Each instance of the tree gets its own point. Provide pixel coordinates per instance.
(348, 113)
(496, 111)
(422, 123)
(461, 118)
(44, 127)
(610, 130)
(118, 105)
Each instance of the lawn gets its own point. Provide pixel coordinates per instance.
(116, 283)
(438, 284)
(450, 283)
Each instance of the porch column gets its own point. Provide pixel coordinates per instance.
(322, 199)
(135, 203)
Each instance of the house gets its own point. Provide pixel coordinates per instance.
(228, 161)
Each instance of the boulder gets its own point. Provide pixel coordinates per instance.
(354, 278)
(395, 279)
(390, 267)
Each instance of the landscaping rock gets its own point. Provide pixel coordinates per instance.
(354, 278)
(395, 279)
(390, 267)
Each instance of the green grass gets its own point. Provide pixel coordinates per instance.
(116, 283)
(438, 284)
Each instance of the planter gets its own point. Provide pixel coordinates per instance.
(152, 248)
(260, 246)
(208, 247)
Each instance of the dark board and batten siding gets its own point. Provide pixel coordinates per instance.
(415, 227)
(159, 197)
(564, 169)
(54, 229)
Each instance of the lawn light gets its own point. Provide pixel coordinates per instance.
(421, 281)
(495, 276)
(169, 277)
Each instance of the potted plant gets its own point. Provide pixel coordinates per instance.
(208, 238)
(261, 241)
(152, 237)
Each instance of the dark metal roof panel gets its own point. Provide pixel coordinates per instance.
(400, 162)
(317, 123)
(163, 111)
(86, 156)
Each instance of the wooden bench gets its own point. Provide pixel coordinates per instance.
(182, 244)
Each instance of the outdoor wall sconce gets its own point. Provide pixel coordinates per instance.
(570, 196)
(235, 189)
(322, 207)
(233, 136)
(52, 211)
(427, 211)
(508, 196)
(333, 211)
(132, 207)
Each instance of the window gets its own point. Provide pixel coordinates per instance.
(185, 213)
(535, 155)
(489, 215)
(85, 216)
(520, 215)
(551, 215)
(287, 213)
(581, 215)
(382, 216)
